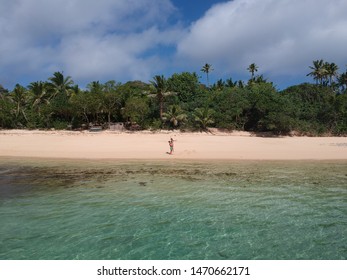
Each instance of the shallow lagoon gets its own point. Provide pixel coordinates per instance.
(173, 210)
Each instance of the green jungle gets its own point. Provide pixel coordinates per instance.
(183, 102)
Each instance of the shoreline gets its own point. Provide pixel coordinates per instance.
(148, 145)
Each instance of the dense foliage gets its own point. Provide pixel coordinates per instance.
(182, 102)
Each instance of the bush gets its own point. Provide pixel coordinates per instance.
(60, 125)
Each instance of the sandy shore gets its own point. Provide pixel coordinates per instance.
(148, 145)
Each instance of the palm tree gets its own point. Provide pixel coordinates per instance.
(39, 93)
(38, 96)
(60, 85)
(160, 88)
(252, 68)
(260, 79)
(203, 117)
(240, 84)
(174, 115)
(219, 85)
(230, 83)
(19, 98)
(2, 91)
(207, 68)
(74, 90)
(95, 87)
(318, 71)
(342, 80)
(331, 71)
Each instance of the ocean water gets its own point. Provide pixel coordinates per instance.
(173, 210)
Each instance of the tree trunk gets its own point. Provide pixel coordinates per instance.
(161, 101)
(109, 119)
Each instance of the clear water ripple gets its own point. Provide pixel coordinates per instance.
(176, 210)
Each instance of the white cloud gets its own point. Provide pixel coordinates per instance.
(42, 18)
(122, 39)
(282, 37)
(112, 56)
(86, 39)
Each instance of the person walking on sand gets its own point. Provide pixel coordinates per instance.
(172, 142)
(171, 146)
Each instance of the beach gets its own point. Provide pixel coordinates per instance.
(154, 146)
(220, 196)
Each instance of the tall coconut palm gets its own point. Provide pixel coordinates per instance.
(175, 115)
(252, 68)
(331, 71)
(160, 86)
(318, 71)
(60, 84)
(207, 68)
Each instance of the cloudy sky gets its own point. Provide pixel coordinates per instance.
(126, 40)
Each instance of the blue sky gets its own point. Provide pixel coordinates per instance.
(127, 40)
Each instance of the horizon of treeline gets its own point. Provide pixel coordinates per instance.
(183, 102)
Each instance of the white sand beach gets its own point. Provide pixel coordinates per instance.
(150, 145)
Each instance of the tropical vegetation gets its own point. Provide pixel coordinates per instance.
(183, 102)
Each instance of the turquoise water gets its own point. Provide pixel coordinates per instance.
(172, 210)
